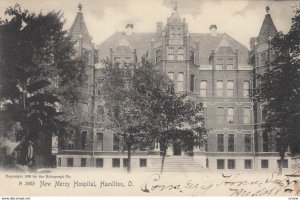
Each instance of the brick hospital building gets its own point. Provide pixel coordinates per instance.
(212, 68)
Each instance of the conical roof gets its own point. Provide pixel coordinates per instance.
(267, 30)
(78, 29)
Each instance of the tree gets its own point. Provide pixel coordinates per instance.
(144, 107)
(38, 74)
(279, 86)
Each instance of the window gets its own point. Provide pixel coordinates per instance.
(247, 115)
(265, 138)
(158, 56)
(246, 88)
(220, 164)
(171, 75)
(83, 162)
(83, 140)
(99, 162)
(99, 142)
(230, 88)
(284, 164)
(180, 81)
(248, 164)
(229, 66)
(220, 147)
(143, 162)
(219, 89)
(220, 115)
(207, 163)
(100, 113)
(247, 142)
(230, 115)
(70, 162)
(219, 66)
(231, 164)
(180, 55)
(203, 88)
(171, 53)
(231, 143)
(125, 162)
(116, 162)
(116, 142)
(59, 162)
(263, 114)
(264, 163)
(263, 58)
(192, 83)
(70, 145)
(192, 56)
(172, 33)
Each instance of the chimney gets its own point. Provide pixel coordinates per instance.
(129, 29)
(213, 30)
(159, 27)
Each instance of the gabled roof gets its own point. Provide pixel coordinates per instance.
(123, 48)
(138, 41)
(224, 48)
(267, 30)
(78, 29)
(142, 43)
(174, 19)
(208, 43)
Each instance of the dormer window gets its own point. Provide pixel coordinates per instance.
(229, 63)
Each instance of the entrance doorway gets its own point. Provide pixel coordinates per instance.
(177, 149)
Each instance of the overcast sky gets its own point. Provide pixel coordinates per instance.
(240, 19)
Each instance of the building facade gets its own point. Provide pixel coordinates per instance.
(212, 68)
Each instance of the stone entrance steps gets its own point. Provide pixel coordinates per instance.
(176, 164)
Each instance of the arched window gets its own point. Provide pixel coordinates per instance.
(171, 75)
(180, 55)
(158, 56)
(180, 80)
(192, 56)
(171, 53)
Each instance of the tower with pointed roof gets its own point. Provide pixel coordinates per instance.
(261, 52)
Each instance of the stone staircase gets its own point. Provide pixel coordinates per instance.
(175, 164)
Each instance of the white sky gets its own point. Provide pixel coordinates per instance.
(240, 19)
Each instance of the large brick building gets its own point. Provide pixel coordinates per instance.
(212, 68)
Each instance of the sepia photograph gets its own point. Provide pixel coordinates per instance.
(149, 98)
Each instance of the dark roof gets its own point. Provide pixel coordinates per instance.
(267, 30)
(79, 28)
(138, 41)
(207, 42)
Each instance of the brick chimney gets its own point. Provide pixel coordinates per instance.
(213, 30)
(129, 29)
